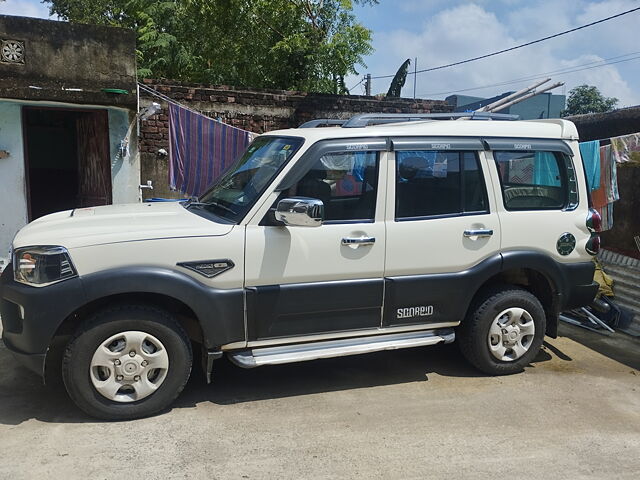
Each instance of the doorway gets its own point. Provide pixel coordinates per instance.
(66, 158)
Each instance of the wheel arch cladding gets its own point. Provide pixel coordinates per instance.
(534, 282)
(218, 312)
(551, 282)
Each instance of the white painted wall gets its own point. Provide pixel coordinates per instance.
(125, 170)
(13, 199)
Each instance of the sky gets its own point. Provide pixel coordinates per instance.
(439, 32)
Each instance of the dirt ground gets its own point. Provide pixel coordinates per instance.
(417, 413)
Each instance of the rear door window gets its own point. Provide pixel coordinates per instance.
(435, 183)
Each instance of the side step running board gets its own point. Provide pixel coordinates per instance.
(337, 348)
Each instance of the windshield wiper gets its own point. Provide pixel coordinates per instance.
(192, 203)
(223, 207)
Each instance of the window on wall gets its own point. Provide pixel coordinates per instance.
(346, 182)
(532, 180)
(431, 183)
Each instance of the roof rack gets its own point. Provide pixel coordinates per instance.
(322, 122)
(365, 119)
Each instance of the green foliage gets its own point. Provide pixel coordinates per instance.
(286, 44)
(588, 99)
(395, 89)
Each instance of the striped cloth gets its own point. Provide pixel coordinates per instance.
(200, 149)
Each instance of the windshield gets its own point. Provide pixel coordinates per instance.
(238, 188)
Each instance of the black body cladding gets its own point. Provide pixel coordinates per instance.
(448, 293)
(308, 308)
(220, 312)
(278, 311)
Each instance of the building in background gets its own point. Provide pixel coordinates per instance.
(544, 105)
(68, 125)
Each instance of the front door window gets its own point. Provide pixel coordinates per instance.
(345, 182)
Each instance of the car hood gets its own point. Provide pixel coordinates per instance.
(84, 227)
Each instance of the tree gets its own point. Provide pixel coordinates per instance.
(286, 44)
(588, 99)
(395, 89)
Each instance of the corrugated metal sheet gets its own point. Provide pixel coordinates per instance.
(625, 272)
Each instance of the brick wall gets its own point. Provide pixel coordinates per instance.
(258, 111)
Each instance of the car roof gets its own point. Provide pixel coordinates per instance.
(552, 128)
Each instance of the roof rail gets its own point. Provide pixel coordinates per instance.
(322, 122)
(366, 119)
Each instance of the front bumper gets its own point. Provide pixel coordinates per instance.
(31, 316)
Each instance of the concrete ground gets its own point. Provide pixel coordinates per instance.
(418, 413)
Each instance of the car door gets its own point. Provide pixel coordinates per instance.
(443, 232)
(325, 280)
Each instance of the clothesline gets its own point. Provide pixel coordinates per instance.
(162, 96)
(608, 139)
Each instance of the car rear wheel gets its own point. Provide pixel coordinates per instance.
(127, 362)
(503, 330)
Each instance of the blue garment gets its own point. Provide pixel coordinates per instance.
(201, 149)
(590, 152)
(545, 169)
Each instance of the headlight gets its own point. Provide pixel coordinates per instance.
(41, 266)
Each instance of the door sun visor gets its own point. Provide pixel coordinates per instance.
(436, 143)
(528, 144)
(324, 147)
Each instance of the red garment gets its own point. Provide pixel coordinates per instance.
(599, 196)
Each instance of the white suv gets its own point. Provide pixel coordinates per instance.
(318, 242)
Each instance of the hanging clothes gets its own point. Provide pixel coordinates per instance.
(200, 149)
(590, 153)
(626, 149)
(604, 196)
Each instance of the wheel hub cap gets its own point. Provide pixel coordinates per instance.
(511, 334)
(129, 366)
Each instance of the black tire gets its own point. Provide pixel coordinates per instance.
(473, 333)
(111, 321)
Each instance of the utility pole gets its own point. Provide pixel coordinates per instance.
(415, 76)
(367, 85)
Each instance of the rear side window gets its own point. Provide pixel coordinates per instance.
(433, 183)
(532, 180)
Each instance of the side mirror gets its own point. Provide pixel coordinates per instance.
(300, 212)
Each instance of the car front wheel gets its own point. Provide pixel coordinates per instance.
(127, 362)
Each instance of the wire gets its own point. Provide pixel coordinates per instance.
(517, 46)
(357, 84)
(597, 63)
(151, 91)
(542, 75)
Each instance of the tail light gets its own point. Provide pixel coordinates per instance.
(593, 244)
(594, 224)
(594, 221)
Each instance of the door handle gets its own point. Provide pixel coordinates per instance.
(358, 241)
(478, 233)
